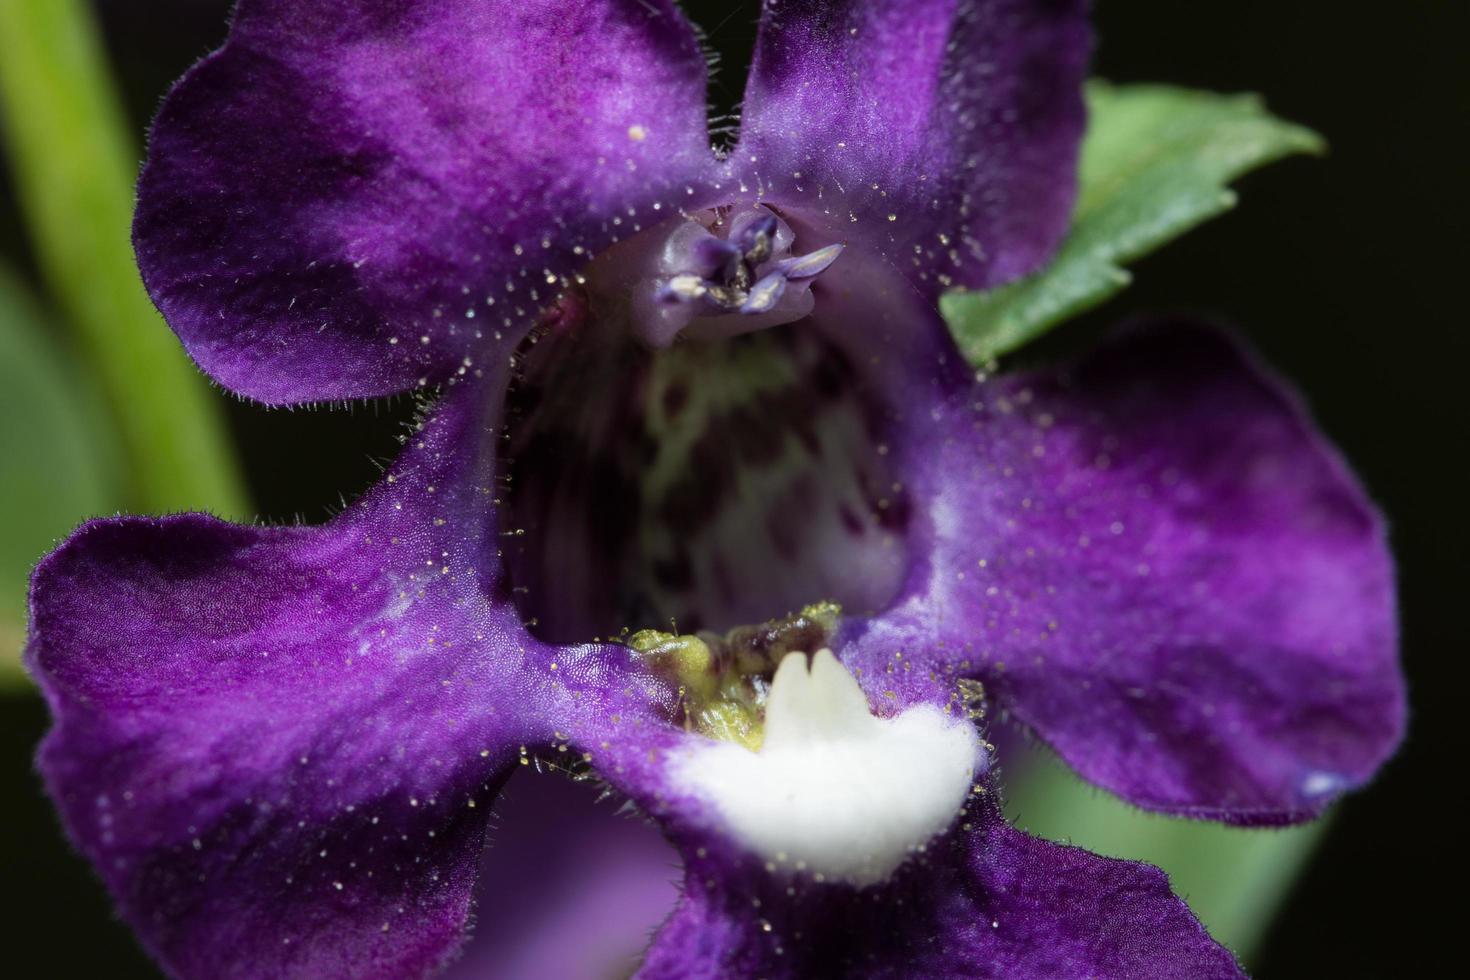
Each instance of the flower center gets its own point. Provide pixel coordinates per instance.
(719, 275)
(697, 436)
(724, 679)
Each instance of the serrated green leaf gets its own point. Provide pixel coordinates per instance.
(74, 164)
(58, 459)
(1234, 878)
(1155, 163)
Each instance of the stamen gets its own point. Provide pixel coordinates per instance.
(764, 294)
(718, 275)
(723, 678)
(756, 233)
(725, 299)
(683, 289)
(715, 258)
(810, 264)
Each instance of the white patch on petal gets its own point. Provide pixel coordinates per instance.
(834, 789)
(1319, 783)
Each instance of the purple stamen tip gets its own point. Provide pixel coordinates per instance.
(682, 289)
(751, 235)
(810, 264)
(713, 257)
(765, 294)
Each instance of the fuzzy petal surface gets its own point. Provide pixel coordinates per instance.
(278, 746)
(988, 902)
(350, 198)
(592, 885)
(944, 132)
(1154, 560)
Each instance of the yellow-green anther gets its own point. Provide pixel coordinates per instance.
(685, 658)
(722, 679)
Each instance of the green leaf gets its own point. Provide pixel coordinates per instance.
(1155, 163)
(58, 461)
(74, 166)
(1234, 878)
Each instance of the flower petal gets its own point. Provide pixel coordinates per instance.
(1155, 562)
(992, 902)
(591, 886)
(278, 745)
(350, 197)
(945, 132)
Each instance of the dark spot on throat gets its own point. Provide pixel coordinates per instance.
(709, 484)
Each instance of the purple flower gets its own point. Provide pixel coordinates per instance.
(683, 389)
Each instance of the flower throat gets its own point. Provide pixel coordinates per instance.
(686, 451)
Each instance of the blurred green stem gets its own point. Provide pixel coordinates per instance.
(59, 459)
(74, 167)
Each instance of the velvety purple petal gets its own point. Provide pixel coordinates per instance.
(591, 886)
(992, 902)
(1154, 561)
(350, 197)
(944, 131)
(278, 746)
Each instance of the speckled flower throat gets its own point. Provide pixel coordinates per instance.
(691, 442)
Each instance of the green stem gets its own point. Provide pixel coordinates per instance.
(74, 166)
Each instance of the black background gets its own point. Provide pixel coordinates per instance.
(1345, 271)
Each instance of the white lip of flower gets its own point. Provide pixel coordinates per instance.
(834, 790)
